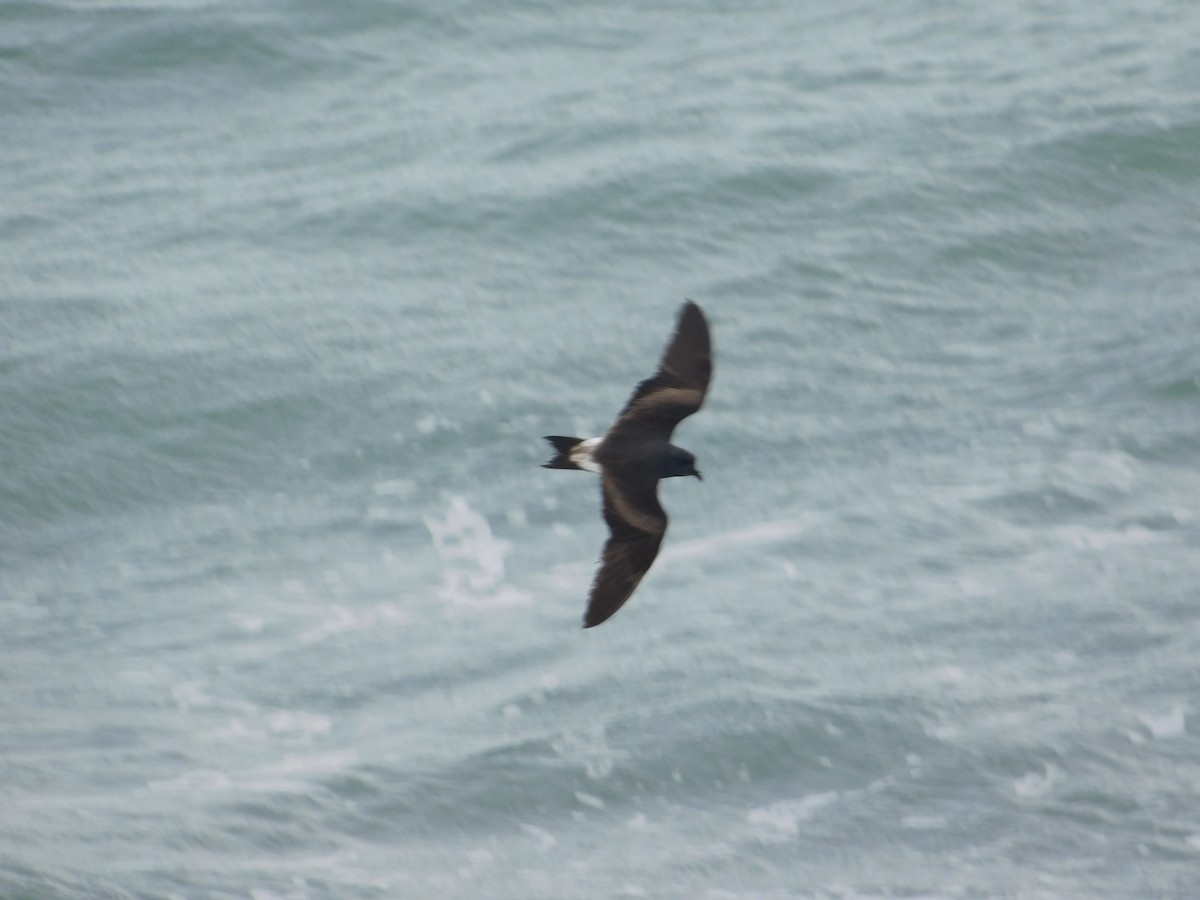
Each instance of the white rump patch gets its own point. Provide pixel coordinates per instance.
(583, 455)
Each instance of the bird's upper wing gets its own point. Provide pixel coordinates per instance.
(677, 389)
(637, 523)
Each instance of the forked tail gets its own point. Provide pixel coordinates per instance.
(563, 447)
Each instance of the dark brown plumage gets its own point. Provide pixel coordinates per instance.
(634, 454)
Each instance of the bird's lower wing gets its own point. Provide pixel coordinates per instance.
(638, 524)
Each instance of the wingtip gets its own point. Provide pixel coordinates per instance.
(590, 622)
(692, 310)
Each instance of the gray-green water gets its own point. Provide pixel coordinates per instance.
(288, 295)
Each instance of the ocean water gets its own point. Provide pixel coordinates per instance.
(288, 295)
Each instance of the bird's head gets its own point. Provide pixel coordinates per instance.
(679, 462)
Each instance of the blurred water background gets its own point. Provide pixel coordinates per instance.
(288, 295)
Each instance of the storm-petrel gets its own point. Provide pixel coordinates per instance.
(634, 454)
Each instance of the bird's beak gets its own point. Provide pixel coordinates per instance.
(697, 474)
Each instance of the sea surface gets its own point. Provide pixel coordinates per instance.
(289, 294)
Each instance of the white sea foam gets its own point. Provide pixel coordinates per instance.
(189, 695)
(589, 800)
(544, 838)
(589, 748)
(473, 560)
(396, 487)
(284, 728)
(194, 781)
(638, 822)
(397, 496)
(293, 773)
(339, 619)
(750, 536)
(780, 821)
(1032, 785)
(294, 723)
(1166, 723)
(250, 624)
(1083, 538)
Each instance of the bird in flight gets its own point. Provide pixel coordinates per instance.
(634, 454)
